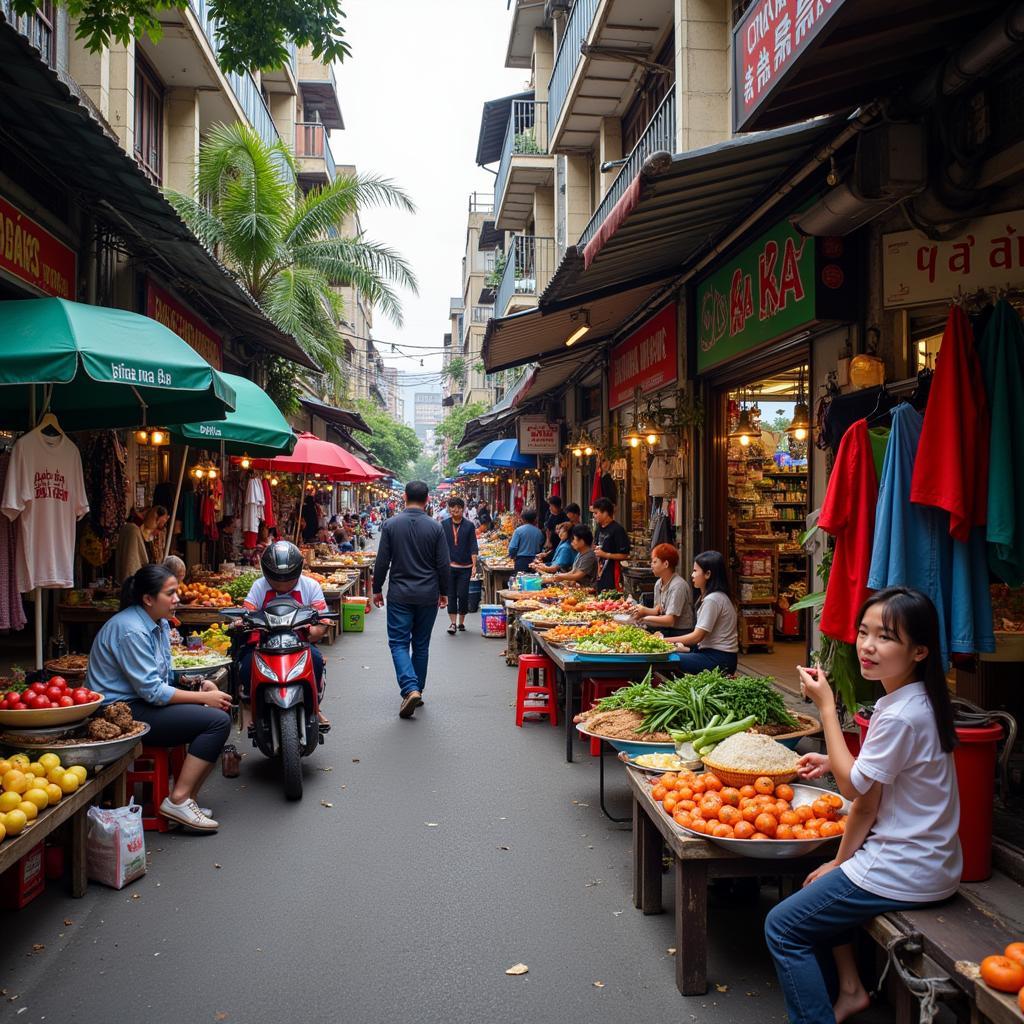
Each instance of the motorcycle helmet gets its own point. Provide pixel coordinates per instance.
(281, 561)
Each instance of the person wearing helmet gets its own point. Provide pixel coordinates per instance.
(282, 563)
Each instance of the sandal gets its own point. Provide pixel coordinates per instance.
(451, 629)
(462, 627)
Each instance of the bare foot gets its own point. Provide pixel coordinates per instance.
(850, 1003)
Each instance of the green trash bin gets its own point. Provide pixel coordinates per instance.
(353, 615)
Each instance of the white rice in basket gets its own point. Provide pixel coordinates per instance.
(752, 752)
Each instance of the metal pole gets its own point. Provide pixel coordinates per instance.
(302, 501)
(177, 498)
(37, 594)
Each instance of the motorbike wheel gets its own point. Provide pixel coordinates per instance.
(291, 755)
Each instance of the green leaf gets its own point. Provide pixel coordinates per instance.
(815, 600)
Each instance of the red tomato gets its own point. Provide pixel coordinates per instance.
(38, 687)
(81, 695)
(32, 699)
(18, 706)
(66, 701)
(12, 695)
(58, 681)
(95, 696)
(53, 692)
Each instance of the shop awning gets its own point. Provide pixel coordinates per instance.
(679, 208)
(505, 454)
(471, 468)
(493, 124)
(344, 418)
(42, 115)
(536, 335)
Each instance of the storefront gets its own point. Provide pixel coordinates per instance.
(769, 324)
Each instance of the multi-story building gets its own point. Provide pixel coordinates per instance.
(427, 414)
(393, 390)
(454, 362)
(480, 267)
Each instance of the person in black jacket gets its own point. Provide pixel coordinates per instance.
(462, 553)
(413, 555)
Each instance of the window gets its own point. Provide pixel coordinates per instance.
(492, 256)
(149, 121)
(40, 27)
(481, 314)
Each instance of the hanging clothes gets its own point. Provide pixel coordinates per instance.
(12, 612)
(252, 512)
(106, 484)
(848, 514)
(268, 505)
(913, 548)
(1001, 352)
(951, 470)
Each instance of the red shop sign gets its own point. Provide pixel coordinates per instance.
(648, 358)
(167, 310)
(767, 43)
(32, 254)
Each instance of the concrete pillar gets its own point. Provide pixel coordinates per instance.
(579, 201)
(122, 93)
(543, 62)
(609, 148)
(91, 71)
(181, 140)
(703, 77)
(283, 107)
(544, 212)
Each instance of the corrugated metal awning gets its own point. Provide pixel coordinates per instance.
(493, 124)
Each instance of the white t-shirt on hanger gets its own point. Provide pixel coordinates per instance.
(45, 493)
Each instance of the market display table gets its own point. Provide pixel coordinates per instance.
(695, 862)
(493, 579)
(334, 595)
(110, 782)
(576, 666)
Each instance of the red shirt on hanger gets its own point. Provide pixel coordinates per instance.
(951, 469)
(848, 513)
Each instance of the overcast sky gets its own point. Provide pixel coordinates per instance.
(411, 96)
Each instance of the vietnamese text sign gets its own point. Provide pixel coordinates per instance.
(767, 43)
(538, 437)
(647, 359)
(167, 310)
(32, 254)
(917, 269)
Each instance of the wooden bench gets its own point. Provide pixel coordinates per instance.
(109, 783)
(949, 941)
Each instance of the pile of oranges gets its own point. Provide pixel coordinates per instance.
(201, 595)
(703, 804)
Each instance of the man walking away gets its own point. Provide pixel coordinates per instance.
(413, 555)
(462, 554)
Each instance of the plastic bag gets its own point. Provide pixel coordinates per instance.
(115, 846)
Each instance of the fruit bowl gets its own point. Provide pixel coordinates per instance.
(92, 755)
(34, 718)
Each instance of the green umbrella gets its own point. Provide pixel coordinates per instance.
(107, 368)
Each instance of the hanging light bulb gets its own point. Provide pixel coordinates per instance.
(273, 481)
(199, 472)
(652, 439)
(212, 473)
(588, 451)
(578, 452)
(159, 438)
(142, 436)
(246, 461)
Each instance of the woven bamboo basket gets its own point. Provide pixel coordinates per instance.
(738, 779)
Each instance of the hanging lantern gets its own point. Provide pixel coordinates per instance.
(198, 472)
(273, 481)
(800, 427)
(159, 438)
(246, 461)
(142, 436)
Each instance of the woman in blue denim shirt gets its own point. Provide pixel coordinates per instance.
(131, 661)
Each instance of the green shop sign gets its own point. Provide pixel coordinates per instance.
(782, 283)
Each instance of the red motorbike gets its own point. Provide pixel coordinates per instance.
(283, 697)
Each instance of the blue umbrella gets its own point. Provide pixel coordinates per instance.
(470, 468)
(506, 455)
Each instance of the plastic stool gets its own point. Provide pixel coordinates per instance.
(153, 769)
(533, 692)
(593, 691)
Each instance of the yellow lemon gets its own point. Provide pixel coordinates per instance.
(37, 769)
(15, 781)
(8, 801)
(5, 767)
(54, 774)
(68, 782)
(29, 779)
(54, 793)
(82, 773)
(20, 761)
(39, 797)
(15, 821)
(29, 809)
(49, 761)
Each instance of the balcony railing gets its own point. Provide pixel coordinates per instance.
(660, 134)
(293, 57)
(481, 202)
(39, 28)
(528, 268)
(243, 86)
(481, 314)
(312, 141)
(526, 135)
(568, 58)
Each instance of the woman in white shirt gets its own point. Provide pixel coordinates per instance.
(900, 847)
(714, 640)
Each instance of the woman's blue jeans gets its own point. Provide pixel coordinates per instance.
(700, 660)
(802, 931)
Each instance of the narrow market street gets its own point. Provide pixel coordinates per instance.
(426, 857)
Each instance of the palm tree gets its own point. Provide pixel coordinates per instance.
(288, 250)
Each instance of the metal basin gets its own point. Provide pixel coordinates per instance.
(91, 755)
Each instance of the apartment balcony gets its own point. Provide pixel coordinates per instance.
(594, 74)
(284, 79)
(525, 165)
(318, 89)
(481, 202)
(39, 28)
(313, 155)
(660, 134)
(529, 264)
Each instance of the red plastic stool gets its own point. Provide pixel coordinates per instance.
(533, 692)
(593, 691)
(153, 769)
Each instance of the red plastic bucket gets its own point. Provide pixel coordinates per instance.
(975, 761)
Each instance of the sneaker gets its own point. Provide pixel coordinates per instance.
(189, 814)
(462, 627)
(410, 703)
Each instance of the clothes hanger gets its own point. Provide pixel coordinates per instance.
(48, 425)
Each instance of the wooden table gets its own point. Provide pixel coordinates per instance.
(575, 666)
(110, 782)
(695, 862)
(334, 595)
(492, 580)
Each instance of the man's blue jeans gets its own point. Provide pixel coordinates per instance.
(410, 625)
(802, 931)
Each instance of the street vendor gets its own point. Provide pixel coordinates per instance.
(584, 566)
(672, 613)
(134, 540)
(562, 557)
(131, 661)
(527, 541)
(612, 545)
(714, 640)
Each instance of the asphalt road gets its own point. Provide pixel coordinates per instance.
(426, 858)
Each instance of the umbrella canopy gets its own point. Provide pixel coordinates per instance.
(311, 455)
(109, 367)
(505, 455)
(255, 427)
(471, 468)
(372, 473)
